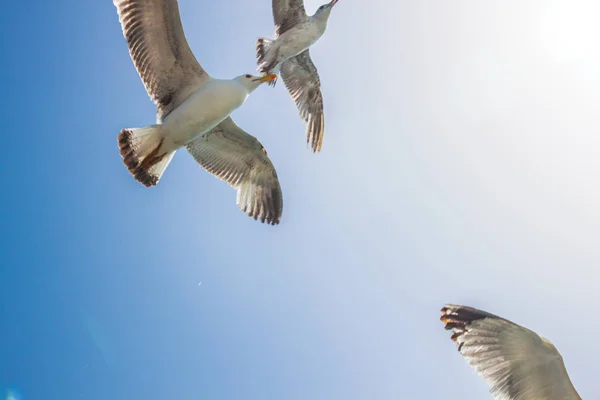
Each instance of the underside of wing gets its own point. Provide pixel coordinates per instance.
(238, 158)
(287, 14)
(515, 361)
(159, 50)
(301, 78)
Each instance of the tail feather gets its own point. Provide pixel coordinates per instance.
(141, 152)
(262, 48)
(266, 61)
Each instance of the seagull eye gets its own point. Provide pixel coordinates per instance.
(248, 76)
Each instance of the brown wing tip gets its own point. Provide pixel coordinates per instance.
(269, 209)
(131, 161)
(264, 216)
(464, 314)
(460, 313)
(269, 220)
(315, 145)
(457, 318)
(314, 133)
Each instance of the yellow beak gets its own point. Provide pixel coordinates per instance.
(267, 78)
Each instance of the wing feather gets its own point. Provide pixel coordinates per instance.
(301, 78)
(287, 14)
(160, 51)
(516, 362)
(238, 158)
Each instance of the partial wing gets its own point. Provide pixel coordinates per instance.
(287, 13)
(160, 51)
(301, 78)
(238, 158)
(516, 362)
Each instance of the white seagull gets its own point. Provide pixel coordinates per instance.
(517, 363)
(193, 111)
(295, 32)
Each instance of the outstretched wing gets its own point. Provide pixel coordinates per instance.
(301, 78)
(516, 362)
(287, 13)
(238, 158)
(160, 51)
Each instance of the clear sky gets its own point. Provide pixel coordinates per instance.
(460, 164)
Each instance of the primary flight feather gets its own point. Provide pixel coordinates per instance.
(516, 362)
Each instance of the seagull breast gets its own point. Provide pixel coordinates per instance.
(300, 38)
(204, 109)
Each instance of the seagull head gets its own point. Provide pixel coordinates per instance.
(251, 82)
(325, 9)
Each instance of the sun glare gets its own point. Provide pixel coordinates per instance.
(569, 31)
(11, 395)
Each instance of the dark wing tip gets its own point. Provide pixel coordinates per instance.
(301, 78)
(462, 313)
(315, 132)
(458, 318)
(267, 205)
(274, 207)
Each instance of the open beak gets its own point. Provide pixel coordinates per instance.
(266, 78)
(332, 3)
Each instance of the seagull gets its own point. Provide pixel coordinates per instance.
(517, 363)
(289, 53)
(193, 111)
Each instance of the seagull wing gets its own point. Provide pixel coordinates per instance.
(160, 51)
(516, 362)
(287, 14)
(301, 78)
(238, 158)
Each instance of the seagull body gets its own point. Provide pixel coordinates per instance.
(289, 53)
(293, 42)
(516, 362)
(202, 111)
(193, 111)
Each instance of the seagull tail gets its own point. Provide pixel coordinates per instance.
(142, 153)
(265, 60)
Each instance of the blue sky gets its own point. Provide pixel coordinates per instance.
(460, 164)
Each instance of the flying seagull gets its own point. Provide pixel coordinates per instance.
(193, 111)
(295, 32)
(517, 363)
